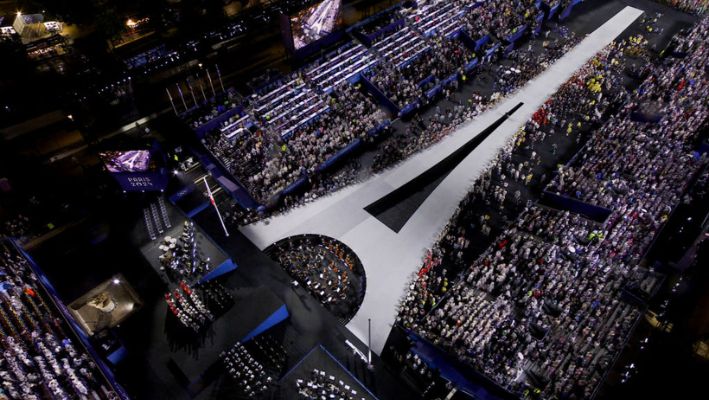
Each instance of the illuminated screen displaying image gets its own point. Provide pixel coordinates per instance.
(126, 161)
(316, 22)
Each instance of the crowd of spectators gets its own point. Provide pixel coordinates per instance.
(446, 57)
(439, 17)
(210, 110)
(452, 55)
(527, 62)
(266, 164)
(326, 268)
(17, 227)
(393, 85)
(39, 359)
(629, 159)
(279, 154)
(499, 19)
(520, 66)
(544, 306)
(698, 7)
(379, 23)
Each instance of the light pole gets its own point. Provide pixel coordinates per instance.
(369, 343)
(214, 203)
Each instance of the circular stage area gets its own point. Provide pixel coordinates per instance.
(327, 268)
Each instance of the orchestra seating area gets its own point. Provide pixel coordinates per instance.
(328, 269)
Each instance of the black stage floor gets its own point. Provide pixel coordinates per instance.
(320, 358)
(194, 360)
(150, 248)
(310, 324)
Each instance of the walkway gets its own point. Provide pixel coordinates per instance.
(391, 259)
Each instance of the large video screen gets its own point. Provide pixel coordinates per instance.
(316, 22)
(126, 161)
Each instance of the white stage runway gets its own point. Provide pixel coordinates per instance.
(390, 259)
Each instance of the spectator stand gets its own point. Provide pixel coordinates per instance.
(343, 64)
(480, 43)
(286, 108)
(226, 180)
(461, 376)
(454, 370)
(422, 77)
(320, 369)
(380, 24)
(225, 113)
(440, 23)
(401, 46)
(221, 116)
(265, 82)
(567, 203)
(381, 98)
(437, 18)
(341, 113)
(343, 154)
(289, 107)
(225, 117)
(400, 50)
(379, 121)
(517, 34)
(560, 202)
(337, 114)
(23, 267)
(539, 24)
(454, 57)
(513, 38)
(491, 49)
(626, 240)
(554, 8)
(472, 45)
(569, 8)
(347, 151)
